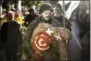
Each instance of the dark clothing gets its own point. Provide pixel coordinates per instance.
(60, 22)
(29, 18)
(85, 51)
(11, 38)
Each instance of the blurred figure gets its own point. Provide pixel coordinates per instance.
(83, 21)
(30, 17)
(18, 17)
(85, 51)
(4, 16)
(25, 12)
(10, 37)
(45, 13)
(58, 15)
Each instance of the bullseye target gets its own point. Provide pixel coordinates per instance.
(41, 41)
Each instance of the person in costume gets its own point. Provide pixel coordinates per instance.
(39, 36)
(59, 16)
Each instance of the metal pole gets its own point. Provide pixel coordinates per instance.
(1, 6)
(19, 5)
(63, 13)
(0, 9)
(66, 58)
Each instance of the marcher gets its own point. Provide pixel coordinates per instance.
(61, 20)
(44, 20)
(30, 17)
(11, 37)
(44, 17)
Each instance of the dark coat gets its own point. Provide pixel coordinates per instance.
(60, 22)
(10, 33)
(29, 18)
(11, 38)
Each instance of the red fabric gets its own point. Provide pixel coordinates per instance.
(46, 39)
(37, 57)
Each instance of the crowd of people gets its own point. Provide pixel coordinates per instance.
(13, 23)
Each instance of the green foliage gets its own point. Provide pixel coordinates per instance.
(30, 3)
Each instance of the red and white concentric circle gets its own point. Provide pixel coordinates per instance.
(41, 41)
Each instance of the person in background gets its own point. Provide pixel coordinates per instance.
(25, 11)
(11, 37)
(18, 17)
(30, 17)
(58, 15)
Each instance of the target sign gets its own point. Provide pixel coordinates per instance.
(41, 41)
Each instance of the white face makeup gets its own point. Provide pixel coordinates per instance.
(46, 14)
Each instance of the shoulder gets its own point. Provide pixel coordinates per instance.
(15, 23)
(5, 24)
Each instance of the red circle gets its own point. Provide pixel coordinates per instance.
(46, 39)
